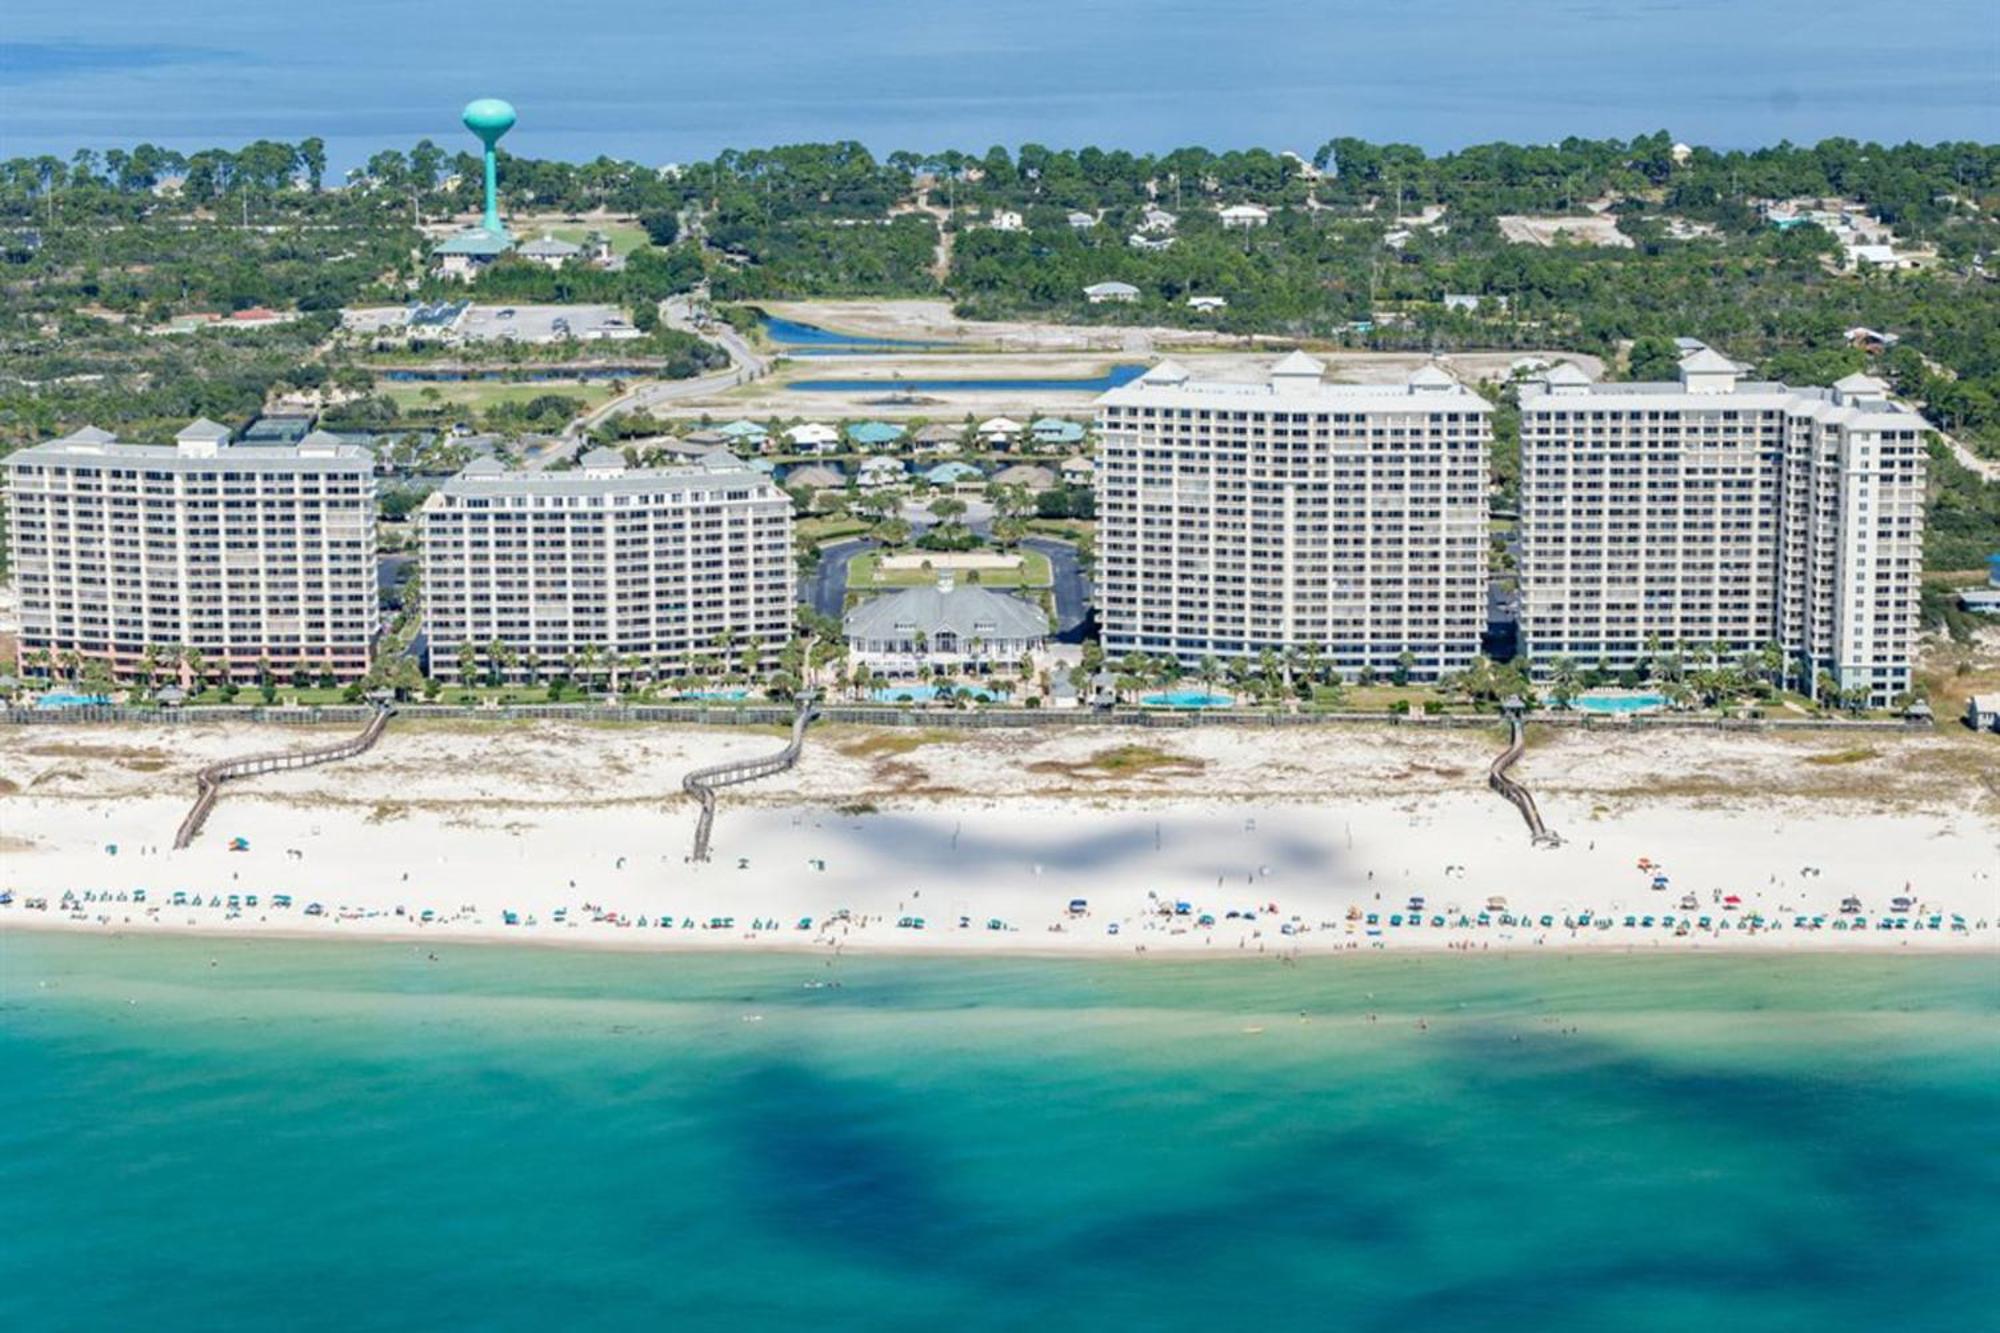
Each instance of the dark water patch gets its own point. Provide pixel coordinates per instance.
(823, 1162)
(1111, 379)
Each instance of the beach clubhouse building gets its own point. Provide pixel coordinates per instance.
(949, 625)
(637, 570)
(1289, 512)
(254, 556)
(1721, 514)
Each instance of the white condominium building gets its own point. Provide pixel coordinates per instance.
(634, 567)
(1293, 513)
(1718, 510)
(244, 554)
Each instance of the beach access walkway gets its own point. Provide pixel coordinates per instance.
(1523, 800)
(702, 783)
(208, 782)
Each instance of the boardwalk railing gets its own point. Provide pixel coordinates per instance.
(703, 782)
(1523, 800)
(894, 715)
(208, 782)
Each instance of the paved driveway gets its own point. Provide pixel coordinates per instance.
(1072, 589)
(825, 588)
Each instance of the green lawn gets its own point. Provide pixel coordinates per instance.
(625, 237)
(479, 395)
(863, 574)
(828, 528)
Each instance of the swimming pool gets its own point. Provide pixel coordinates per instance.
(1619, 703)
(727, 695)
(65, 699)
(1186, 699)
(923, 694)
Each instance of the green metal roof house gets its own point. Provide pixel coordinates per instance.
(874, 433)
(464, 255)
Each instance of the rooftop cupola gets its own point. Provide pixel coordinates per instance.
(1295, 371)
(1708, 371)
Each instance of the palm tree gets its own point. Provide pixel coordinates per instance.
(468, 664)
(1771, 657)
(1563, 680)
(1312, 659)
(502, 656)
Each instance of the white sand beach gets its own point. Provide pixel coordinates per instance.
(1273, 841)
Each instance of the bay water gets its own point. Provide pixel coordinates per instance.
(674, 82)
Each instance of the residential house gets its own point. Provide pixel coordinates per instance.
(815, 476)
(881, 471)
(470, 253)
(1006, 220)
(1078, 471)
(874, 434)
(1872, 341)
(1207, 304)
(744, 434)
(939, 437)
(547, 251)
(1033, 476)
(953, 473)
(813, 437)
(1982, 712)
(1082, 221)
(999, 432)
(1245, 215)
(1100, 292)
(1053, 432)
(1879, 256)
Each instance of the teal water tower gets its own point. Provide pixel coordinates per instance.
(489, 118)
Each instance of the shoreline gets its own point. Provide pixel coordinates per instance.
(1056, 843)
(1986, 943)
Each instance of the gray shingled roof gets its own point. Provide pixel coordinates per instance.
(968, 611)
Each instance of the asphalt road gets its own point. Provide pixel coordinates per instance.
(745, 365)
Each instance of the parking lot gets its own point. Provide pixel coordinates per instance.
(446, 322)
(542, 323)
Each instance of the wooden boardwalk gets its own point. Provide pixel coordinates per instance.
(703, 782)
(1522, 799)
(208, 782)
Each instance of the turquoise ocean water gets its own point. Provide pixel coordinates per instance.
(203, 1135)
